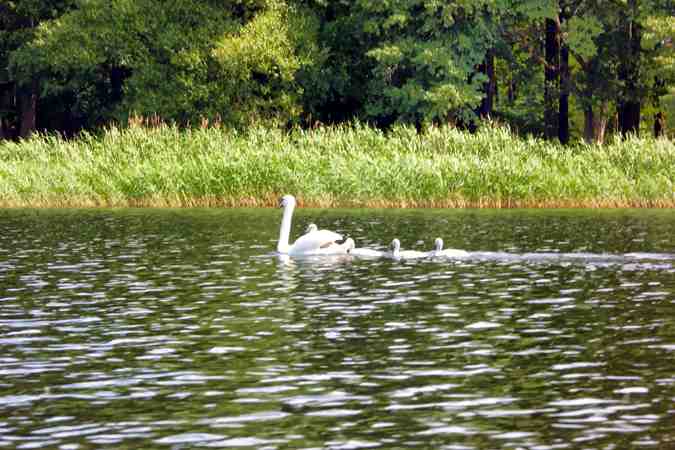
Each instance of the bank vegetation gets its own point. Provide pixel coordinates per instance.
(343, 166)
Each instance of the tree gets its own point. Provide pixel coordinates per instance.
(628, 104)
(526, 48)
(657, 54)
(263, 69)
(552, 77)
(487, 68)
(557, 76)
(421, 57)
(188, 60)
(609, 74)
(565, 87)
(594, 82)
(68, 64)
(19, 93)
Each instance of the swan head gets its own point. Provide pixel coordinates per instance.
(349, 244)
(438, 244)
(287, 201)
(311, 228)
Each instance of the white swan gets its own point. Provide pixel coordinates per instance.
(367, 253)
(333, 249)
(396, 252)
(438, 251)
(316, 242)
(311, 228)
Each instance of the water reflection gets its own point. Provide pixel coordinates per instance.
(180, 329)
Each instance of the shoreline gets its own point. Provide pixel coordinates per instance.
(272, 202)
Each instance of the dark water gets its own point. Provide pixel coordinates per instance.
(179, 329)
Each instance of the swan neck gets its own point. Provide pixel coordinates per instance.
(396, 249)
(285, 230)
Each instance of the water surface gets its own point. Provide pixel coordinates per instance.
(181, 329)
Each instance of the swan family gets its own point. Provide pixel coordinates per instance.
(316, 242)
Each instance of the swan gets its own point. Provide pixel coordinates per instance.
(314, 242)
(334, 249)
(438, 251)
(367, 253)
(311, 228)
(396, 252)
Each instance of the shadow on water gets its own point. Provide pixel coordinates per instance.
(181, 329)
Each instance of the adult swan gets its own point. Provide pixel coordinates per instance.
(315, 242)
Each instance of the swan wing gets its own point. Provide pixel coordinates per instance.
(316, 240)
(333, 249)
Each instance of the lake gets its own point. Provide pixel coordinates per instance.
(175, 329)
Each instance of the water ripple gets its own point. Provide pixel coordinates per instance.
(181, 329)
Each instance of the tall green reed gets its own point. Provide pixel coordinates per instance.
(347, 165)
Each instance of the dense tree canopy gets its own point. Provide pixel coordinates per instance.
(555, 67)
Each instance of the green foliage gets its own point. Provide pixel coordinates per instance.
(580, 34)
(535, 10)
(519, 63)
(424, 55)
(607, 71)
(185, 61)
(657, 43)
(257, 69)
(284, 63)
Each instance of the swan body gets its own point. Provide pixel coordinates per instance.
(396, 252)
(349, 246)
(333, 249)
(367, 253)
(314, 242)
(438, 251)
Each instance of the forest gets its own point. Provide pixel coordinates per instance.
(566, 70)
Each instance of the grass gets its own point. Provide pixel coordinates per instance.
(342, 166)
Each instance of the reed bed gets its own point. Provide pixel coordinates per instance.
(344, 166)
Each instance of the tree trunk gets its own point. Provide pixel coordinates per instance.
(599, 127)
(563, 111)
(588, 124)
(659, 124)
(629, 117)
(117, 76)
(28, 96)
(4, 105)
(490, 86)
(7, 103)
(595, 124)
(551, 78)
(511, 91)
(628, 108)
